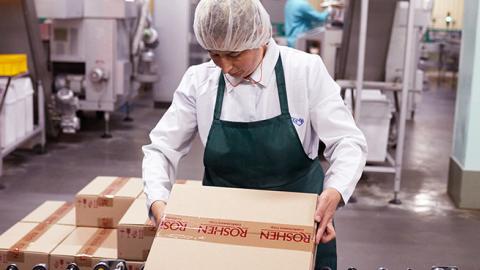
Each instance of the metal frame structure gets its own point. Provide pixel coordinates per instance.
(24, 35)
(394, 165)
(37, 135)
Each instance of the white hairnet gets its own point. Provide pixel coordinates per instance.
(232, 25)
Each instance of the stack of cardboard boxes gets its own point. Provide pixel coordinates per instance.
(203, 228)
(57, 234)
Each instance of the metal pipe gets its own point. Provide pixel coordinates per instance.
(361, 58)
(41, 114)
(404, 107)
(379, 169)
(390, 160)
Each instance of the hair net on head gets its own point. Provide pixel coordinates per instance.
(232, 25)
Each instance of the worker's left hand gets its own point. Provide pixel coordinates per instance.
(326, 206)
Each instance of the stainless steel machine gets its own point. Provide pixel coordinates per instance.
(101, 51)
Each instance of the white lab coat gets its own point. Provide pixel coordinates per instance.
(317, 111)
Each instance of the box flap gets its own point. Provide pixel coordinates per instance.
(51, 238)
(243, 204)
(214, 226)
(45, 210)
(132, 188)
(14, 234)
(46, 242)
(137, 214)
(74, 243)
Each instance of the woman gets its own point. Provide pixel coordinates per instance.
(260, 110)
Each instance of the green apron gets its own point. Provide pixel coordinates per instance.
(266, 155)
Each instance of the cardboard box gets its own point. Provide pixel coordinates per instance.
(86, 247)
(223, 228)
(28, 244)
(135, 233)
(58, 212)
(104, 201)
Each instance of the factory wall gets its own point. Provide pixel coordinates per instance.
(464, 176)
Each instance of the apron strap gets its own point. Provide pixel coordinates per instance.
(220, 94)
(281, 87)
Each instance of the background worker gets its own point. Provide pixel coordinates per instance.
(300, 17)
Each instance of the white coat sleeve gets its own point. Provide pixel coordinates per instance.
(171, 139)
(346, 147)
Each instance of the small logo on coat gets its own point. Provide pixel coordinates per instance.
(298, 121)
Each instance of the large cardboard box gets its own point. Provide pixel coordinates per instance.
(58, 212)
(221, 228)
(27, 244)
(104, 201)
(135, 232)
(86, 247)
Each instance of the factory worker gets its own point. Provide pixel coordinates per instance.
(301, 17)
(260, 110)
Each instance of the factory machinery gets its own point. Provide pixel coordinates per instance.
(101, 53)
(122, 265)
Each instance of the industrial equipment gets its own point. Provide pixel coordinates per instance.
(394, 66)
(324, 41)
(72, 266)
(111, 265)
(40, 267)
(101, 51)
(182, 49)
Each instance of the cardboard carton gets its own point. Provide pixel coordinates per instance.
(62, 212)
(222, 228)
(104, 201)
(86, 247)
(135, 233)
(27, 244)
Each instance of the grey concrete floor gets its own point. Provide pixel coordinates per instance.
(425, 230)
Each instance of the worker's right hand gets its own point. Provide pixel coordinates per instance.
(157, 208)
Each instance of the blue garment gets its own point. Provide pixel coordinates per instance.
(301, 17)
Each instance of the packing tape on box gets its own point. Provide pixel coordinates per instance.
(59, 213)
(234, 232)
(106, 196)
(84, 257)
(137, 232)
(105, 222)
(15, 253)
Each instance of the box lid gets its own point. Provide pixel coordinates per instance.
(131, 188)
(46, 241)
(65, 211)
(79, 240)
(243, 204)
(137, 214)
(214, 226)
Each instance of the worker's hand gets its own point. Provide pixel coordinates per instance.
(326, 206)
(158, 207)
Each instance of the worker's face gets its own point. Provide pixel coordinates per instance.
(238, 64)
